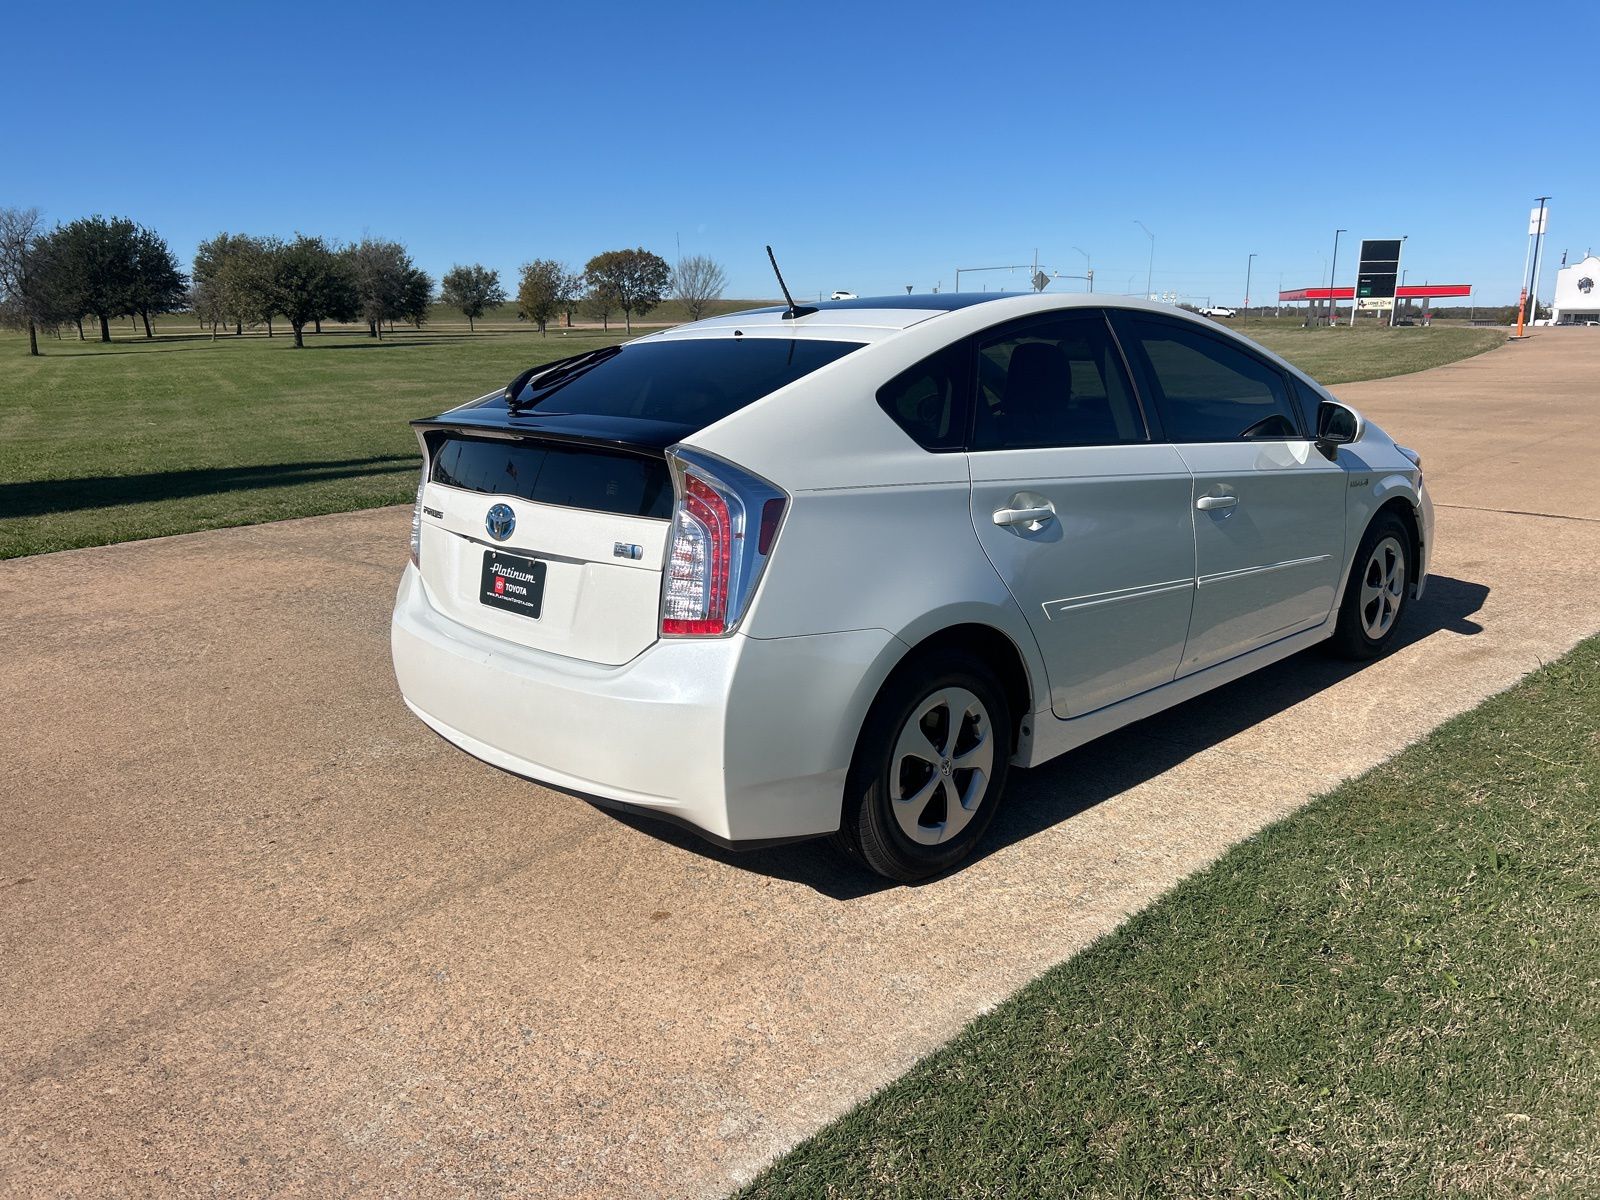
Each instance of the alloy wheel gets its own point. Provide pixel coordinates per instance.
(1383, 584)
(943, 762)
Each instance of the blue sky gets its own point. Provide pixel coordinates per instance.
(874, 145)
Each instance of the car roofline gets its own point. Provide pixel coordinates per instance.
(881, 319)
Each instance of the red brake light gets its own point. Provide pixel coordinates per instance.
(723, 529)
(699, 563)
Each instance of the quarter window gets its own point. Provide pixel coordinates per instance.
(929, 400)
(1206, 390)
(1056, 381)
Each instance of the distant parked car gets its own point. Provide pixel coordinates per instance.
(1217, 310)
(835, 570)
(843, 296)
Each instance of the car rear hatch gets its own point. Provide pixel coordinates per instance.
(550, 543)
(545, 520)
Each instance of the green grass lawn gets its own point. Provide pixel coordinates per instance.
(136, 439)
(1335, 356)
(105, 443)
(1395, 992)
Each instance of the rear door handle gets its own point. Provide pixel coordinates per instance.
(1207, 503)
(1023, 516)
(1026, 509)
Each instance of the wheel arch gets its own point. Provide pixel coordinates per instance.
(1391, 492)
(990, 645)
(1405, 508)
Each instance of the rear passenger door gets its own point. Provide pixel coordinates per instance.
(1269, 508)
(1084, 517)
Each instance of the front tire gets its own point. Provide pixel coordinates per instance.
(929, 768)
(1376, 593)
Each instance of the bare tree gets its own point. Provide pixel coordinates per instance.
(698, 282)
(24, 299)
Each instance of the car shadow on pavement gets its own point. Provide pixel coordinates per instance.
(1064, 787)
(41, 497)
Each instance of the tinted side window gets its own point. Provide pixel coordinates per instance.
(929, 400)
(1208, 391)
(1053, 382)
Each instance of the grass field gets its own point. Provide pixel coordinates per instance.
(136, 439)
(1395, 992)
(1335, 356)
(105, 443)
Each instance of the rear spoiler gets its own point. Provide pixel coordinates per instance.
(491, 419)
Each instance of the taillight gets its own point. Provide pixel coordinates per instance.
(416, 526)
(723, 529)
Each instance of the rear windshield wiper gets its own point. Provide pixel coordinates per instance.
(543, 378)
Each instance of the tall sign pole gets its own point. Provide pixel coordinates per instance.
(1395, 307)
(1540, 217)
(1535, 232)
(1249, 263)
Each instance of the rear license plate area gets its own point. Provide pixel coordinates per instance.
(512, 582)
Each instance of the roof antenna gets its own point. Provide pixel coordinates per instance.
(794, 310)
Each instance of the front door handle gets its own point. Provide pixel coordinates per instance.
(1208, 503)
(1025, 510)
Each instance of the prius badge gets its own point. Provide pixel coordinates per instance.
(500, 522)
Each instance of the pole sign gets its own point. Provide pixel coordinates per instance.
(1378, 273)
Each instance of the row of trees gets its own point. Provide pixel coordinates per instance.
(632, 282)
(92, 268)
(240, 279)
(108, 268)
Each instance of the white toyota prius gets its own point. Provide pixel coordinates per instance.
(834, 569)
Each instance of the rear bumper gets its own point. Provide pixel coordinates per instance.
(744, 739)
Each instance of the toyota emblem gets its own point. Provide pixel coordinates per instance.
(500, 522)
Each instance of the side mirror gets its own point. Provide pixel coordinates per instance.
(1338, 425)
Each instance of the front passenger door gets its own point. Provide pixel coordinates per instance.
(1269, 508)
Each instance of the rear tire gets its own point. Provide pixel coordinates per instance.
(1376, 594)
(929, 768)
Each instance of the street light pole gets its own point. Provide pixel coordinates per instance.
(1150, 269)
(1249, 264)
(1088, 267)
(975, 270)
(1333, 274)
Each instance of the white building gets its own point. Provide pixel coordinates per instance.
(1577, 293)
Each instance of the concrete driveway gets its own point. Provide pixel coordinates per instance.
(262, 933)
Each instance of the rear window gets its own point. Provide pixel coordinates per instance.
(571, 476)
(692, 382)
